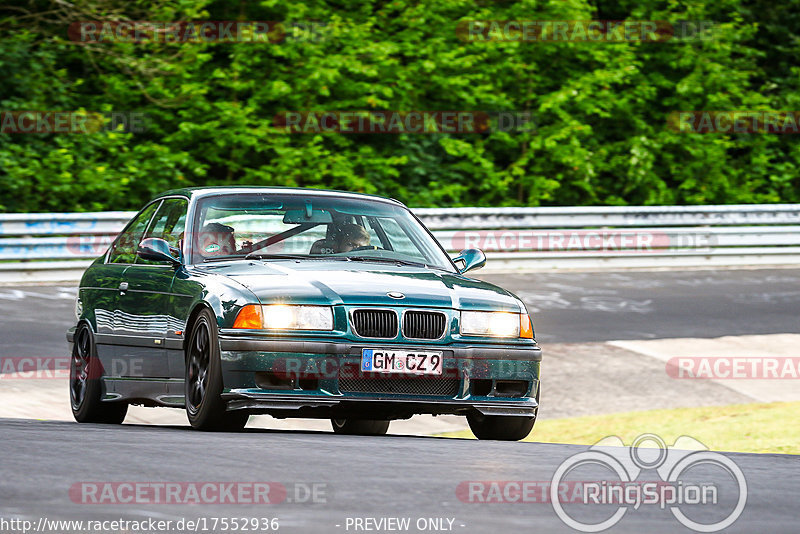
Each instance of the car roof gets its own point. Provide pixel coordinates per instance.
(197, 192)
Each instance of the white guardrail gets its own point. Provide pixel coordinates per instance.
(50, 247)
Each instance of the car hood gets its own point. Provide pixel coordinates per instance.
(351, 283)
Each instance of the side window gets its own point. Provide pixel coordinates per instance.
(398, 237)
(374, 238)
(123, 250)
(168, 224)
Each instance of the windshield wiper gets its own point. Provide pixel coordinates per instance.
(221, 258)
(256, 255)
(392, 260)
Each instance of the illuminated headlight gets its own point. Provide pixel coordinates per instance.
(285, 317)
(493, 324)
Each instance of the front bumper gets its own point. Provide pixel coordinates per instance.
(313, 376)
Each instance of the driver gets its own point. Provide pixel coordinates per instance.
(351, 237)
(217, 240)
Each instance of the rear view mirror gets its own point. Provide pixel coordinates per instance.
(155, 249)
(307, 216)
(470, 259)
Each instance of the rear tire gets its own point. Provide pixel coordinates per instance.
(85, 383)
(205, 408)
(360, 427)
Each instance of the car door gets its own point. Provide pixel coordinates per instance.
(101, 291)
(145, 316)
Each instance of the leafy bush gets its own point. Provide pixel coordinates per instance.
(600, 109)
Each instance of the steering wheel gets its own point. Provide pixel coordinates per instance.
(366, 247)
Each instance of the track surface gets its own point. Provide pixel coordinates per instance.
(394, 476)
(389, 476)
(584, 307)
(569, 307)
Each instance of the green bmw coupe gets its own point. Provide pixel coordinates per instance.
(297, 303)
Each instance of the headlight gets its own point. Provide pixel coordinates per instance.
(285, 317)
(496, 324)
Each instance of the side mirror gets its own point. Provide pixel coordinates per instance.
(470, 259)
(155, 249)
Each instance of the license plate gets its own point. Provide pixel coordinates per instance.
(411, 362)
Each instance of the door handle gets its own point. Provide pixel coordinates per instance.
(123, 287)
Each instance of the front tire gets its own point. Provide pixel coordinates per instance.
(205, 408)
(503, 427)
(500, 427)
(360, 427)
(85, 386)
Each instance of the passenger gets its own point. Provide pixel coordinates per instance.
(351, 237)
(217, 240)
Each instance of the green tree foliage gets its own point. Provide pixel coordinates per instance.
(600, 109)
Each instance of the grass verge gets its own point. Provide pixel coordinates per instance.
(762, 428)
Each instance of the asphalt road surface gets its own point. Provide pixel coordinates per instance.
(585, 307)
(354, 477)
(367, 479)
(568, 307)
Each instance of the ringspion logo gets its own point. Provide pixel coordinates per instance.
(679, 466)
(593, 490)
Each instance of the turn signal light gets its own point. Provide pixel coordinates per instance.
(525, 326)
(249, 317)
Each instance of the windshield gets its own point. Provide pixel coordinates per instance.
(271, 226)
